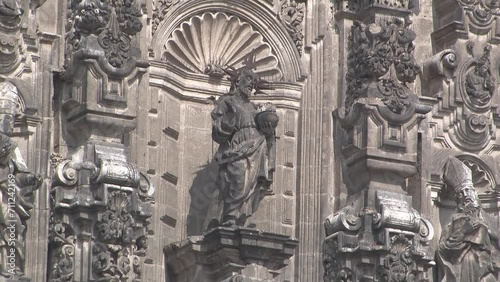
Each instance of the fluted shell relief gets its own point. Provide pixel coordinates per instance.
(209, 42)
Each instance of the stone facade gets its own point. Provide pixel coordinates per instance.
(376, 158)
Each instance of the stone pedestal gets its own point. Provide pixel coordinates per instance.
(229, 254)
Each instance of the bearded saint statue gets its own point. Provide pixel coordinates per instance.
(469, 248)
(245, 133)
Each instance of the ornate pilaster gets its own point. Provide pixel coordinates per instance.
(99, 219)
(378, 235)
(100, 202)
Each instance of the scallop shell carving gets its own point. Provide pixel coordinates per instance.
(209, 42)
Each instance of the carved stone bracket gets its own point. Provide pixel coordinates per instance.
(101, 210)
(230, 254)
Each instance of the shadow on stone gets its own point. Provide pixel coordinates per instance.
(204, 209)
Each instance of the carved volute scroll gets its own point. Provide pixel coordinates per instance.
(209, 42)
(119, 199)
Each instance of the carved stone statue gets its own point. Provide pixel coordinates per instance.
(245, 132)
(468, 249)
(17, 184)
(480, 84)
(10, 8)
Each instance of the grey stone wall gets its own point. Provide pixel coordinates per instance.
(152, 98)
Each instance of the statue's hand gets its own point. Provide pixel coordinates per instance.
(267, 128)
(470, 226)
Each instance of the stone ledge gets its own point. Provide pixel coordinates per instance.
(226, 251)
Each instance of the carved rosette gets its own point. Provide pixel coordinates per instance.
(204, 44)
(292, 16)
(381, 64)
(114, 22)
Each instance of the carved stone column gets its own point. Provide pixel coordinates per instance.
(378, 235)
(100, 201)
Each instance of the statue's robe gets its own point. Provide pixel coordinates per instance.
(473, 256)
(243, 157)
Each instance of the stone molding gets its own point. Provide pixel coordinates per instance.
(224, 253)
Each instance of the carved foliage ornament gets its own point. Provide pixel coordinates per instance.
(381, 63)
(334, 272)
(397, 263)
(481, 13)
(292, 15)
(112, 21)
(207, 43)
(62, 250)
(160, 10)
(115, 253)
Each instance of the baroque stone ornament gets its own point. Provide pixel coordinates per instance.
(480, 85)
(292, 15)
(381, 64)
(468, 249)
(62, 239)
(209, 42)
(160, 9)
(472, 101)
(120, 199)
(227, 254)
(247, 145)
(114, 22)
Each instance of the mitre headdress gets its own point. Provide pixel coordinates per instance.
(457, 174)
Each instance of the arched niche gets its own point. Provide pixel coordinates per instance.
(252, 13)
(18, 94)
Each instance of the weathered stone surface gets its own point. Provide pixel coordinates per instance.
(230, 254)
(246, 136)
(468, 249)
(131, 84)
